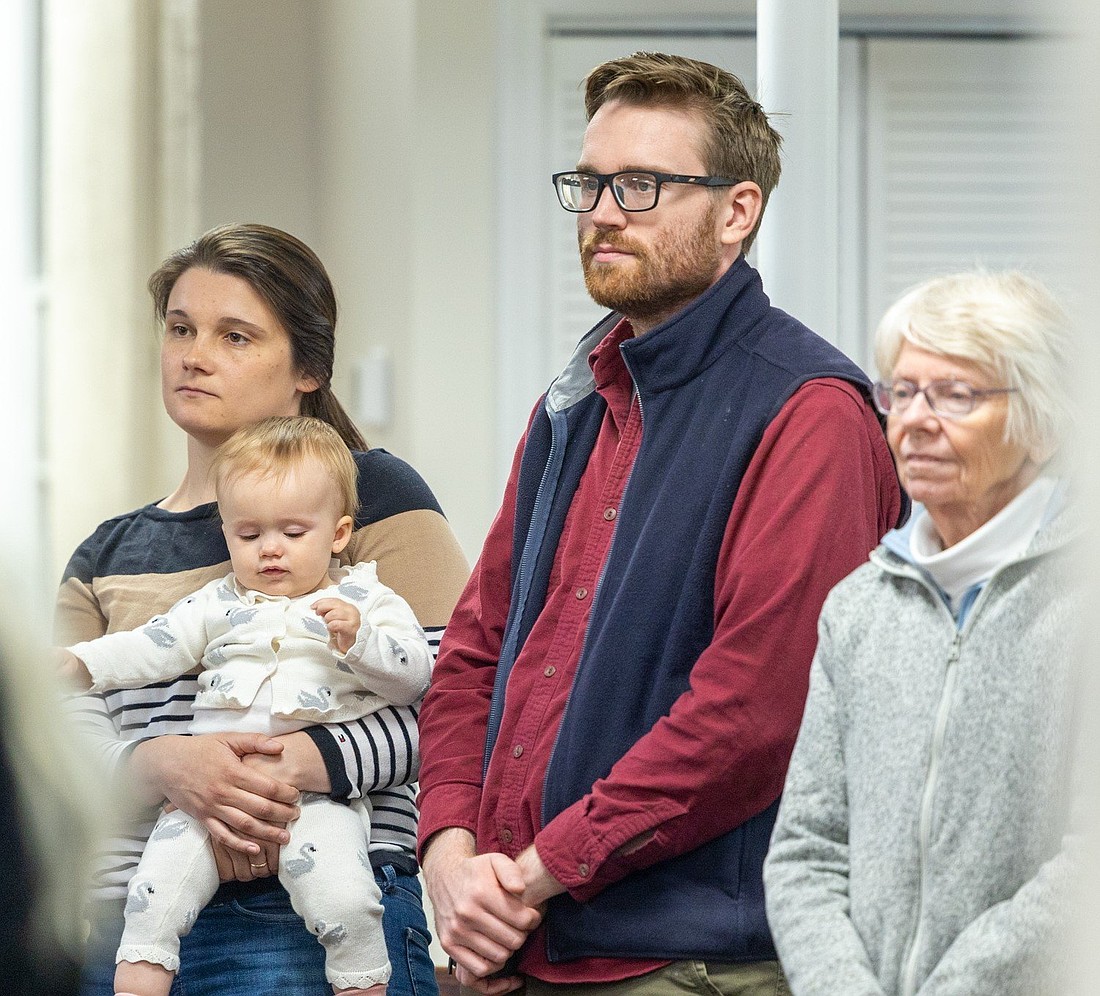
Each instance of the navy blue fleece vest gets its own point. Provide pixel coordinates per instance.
(709, 382)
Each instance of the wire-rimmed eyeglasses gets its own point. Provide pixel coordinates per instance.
(949, 398)
(634, 190)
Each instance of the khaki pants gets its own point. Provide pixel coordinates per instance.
(754, 978)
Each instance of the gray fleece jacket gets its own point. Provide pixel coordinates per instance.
(922, 844)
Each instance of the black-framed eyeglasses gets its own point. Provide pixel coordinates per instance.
(634, 190)
(949, 398)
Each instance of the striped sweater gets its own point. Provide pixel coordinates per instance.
(138, 565)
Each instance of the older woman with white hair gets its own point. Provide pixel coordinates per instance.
(922, 845)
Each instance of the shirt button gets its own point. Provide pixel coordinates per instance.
(517, 751)
(550, 671)
(582, 870)
(582, 593)
(506, 836)
(609, 514)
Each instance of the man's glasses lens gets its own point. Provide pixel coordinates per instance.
(577, 191)
(633, 191)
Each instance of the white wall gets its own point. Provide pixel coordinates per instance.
(20, 505)
(259, 97)
(100, 360)
(407, 230)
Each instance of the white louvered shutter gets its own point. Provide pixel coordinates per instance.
(963, 153)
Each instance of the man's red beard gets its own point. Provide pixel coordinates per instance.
(660, 279)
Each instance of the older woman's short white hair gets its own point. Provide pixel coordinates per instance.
(1006, 322)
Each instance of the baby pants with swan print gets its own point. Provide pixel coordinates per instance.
(325, 868)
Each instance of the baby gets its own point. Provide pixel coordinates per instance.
(286, 641)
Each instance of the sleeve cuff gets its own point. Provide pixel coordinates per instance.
(358, 649)
(341, 787)
(452, 804)
(586, 862)
(90, 659)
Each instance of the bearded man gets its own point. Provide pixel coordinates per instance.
(619, 690)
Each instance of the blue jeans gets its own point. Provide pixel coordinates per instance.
(259, 946)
